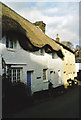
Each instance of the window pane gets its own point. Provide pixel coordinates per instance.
(14, 75)
(10, 74)
(10, 44)
(53, 55)
(44, 74)
(18, 74)
(6, 41)
(42, 51)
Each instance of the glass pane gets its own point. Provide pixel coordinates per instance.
(14, 75)
(10, 74)
(10, 44)
(18, 74)
(44, 74)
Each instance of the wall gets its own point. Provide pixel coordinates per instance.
(69, 66)
(0, 65)
(34, 62)
(78, 68)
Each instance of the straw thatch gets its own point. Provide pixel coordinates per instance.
(11, 21)
(65, 47)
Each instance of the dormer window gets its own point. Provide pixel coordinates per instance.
(9, 42)
(42, 51)
(53, 55)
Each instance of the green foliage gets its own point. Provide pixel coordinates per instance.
(15, 95)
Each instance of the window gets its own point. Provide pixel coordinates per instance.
(18, 74)
(9, 42)
(14, 74)
(10, 74)
(44, 74)
(73, 72)
(64, 71)
(42, 51)
(59, 77)
(65, 52)
(53, 55)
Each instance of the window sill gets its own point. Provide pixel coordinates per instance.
(45, 81)
(10, 49)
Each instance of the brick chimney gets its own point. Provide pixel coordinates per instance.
(57, 39)
(41, 25)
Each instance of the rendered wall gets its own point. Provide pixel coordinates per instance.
(34, 62)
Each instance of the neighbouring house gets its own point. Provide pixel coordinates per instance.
(69, 67)
(78, 56)
(78, 62)
(68, 44)
(27, 54)
(78, 70)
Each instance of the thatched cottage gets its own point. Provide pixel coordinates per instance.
(68, 64)
(27, 54)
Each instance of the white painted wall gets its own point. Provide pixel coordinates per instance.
(0, 65)
(77, 67)
(33, 61)
(68, 66)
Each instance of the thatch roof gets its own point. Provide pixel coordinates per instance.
(65, 47)
(11, 21)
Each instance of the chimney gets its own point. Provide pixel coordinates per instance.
(57, 39)
(41, 25)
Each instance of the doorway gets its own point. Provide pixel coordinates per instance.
(29, 82)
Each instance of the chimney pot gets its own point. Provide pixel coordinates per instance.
(57, 39)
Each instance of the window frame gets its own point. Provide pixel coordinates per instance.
(9, 43)
(42, 51)
(44, 74)
(14, 75)
(53, 55)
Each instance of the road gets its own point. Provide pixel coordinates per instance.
(66, 105)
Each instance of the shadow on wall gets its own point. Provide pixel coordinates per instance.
(13, 96)
(16, 95)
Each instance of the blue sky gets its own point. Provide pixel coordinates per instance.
(60, 17)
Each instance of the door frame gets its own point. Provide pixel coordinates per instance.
(30, 88)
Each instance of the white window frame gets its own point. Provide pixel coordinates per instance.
(53, 55)
(9, 43)
(42, 51)
(44, 74)
(14, 74)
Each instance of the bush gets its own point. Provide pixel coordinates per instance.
(14, 95)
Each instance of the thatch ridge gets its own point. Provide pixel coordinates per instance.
(18, 23)
(65, 47)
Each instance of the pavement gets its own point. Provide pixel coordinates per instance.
(64, 103)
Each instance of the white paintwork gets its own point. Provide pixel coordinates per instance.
(34, 62)
(78, 67)
(68, 66)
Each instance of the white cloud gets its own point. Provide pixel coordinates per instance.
(62, 18)
(40, 0)
(32, 15)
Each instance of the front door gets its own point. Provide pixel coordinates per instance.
(52, 76)
(29, 82)
(59, 77)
